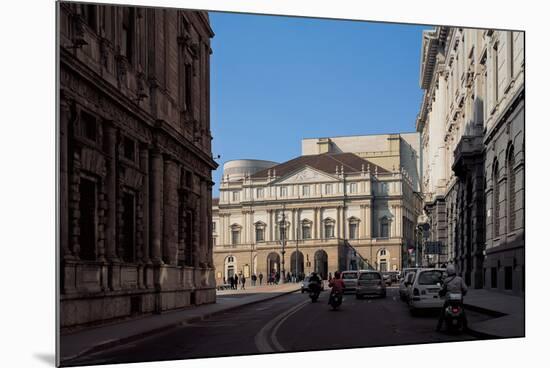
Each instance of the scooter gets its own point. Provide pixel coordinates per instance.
(314, 291)
(454, 313)
(335, 299)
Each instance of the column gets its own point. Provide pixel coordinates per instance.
(394, 222)
(204, 223)
(170, 212)
(337, 224)
(157, 173)
(64, 117)
(314, 224)
(368, 221)
(144, 165)
(110, 186)
(399, 221)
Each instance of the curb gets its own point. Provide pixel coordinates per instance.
(124, 340)
(486, 311)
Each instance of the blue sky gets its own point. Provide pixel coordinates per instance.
(276, 80)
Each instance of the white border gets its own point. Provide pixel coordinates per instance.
(27, 186)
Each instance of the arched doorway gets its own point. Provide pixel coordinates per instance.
(300, 263)
(230, 267)
(273, 263)
(382, 260)
(321, 263)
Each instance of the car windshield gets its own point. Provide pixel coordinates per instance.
(369, 276)
(349, 275)
(430, 277)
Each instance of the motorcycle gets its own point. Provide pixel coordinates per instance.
(454, 312)
(314, 291)
(335, 299)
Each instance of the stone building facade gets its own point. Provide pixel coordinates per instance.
(134, 161)
(472, 121)
(334, 211)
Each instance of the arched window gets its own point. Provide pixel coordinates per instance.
(496, 202)
(511, 180)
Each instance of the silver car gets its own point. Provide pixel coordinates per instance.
(403, 287)
(369, 283)
(350, 280)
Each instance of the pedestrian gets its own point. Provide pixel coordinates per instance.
(231, 282)
(329, 276)
(236, 281)
(277, 278)
(253, 278)
(243, 281)
(288, 277)
(261, 276)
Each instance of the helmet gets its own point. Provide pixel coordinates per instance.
(451, 270)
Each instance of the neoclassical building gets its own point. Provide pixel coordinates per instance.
(134, 161)
(332, 210)
(472, 122)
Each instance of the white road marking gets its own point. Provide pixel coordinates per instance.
(264, 337)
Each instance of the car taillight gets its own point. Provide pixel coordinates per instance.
(455, 310)
(416, 292)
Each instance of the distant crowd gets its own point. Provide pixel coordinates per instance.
(273, 278)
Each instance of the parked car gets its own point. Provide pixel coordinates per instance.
(370, 282)
(350, 280)
(406, 279)
(424, 289)
(387, 278)
(305, 285)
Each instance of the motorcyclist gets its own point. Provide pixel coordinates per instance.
(314, 281)
(337, 284)
(453, 284)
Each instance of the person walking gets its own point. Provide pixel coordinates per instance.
(253, 278)
(261, 276)
(243, 281)
(236, 281)
(231, 282)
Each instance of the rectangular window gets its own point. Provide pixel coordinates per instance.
(305, 190)
(384, 229)
(259, 234)
(213, 226)
(188, 88)
(508, 277)
(329, 231)
(353, 231)
(284, 191)
(235, 237)
(306, 231)
(127, 42)
(88, 125)
(189, 239)
(494, 283)
(353, 188)
(236, 196)
(259, 193)
(328, 188)
(129, 149)
(88, 221)
(89, 14)
(214, 242)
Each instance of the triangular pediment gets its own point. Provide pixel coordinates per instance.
(306, 174)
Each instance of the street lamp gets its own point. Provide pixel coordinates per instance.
(283, 235)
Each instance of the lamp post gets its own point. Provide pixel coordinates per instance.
(283, 236)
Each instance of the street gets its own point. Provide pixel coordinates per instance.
(285, 324)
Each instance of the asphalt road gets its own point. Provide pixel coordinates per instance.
(287, 323)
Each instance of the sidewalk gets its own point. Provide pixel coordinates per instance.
(103, 337)
(508, 312)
